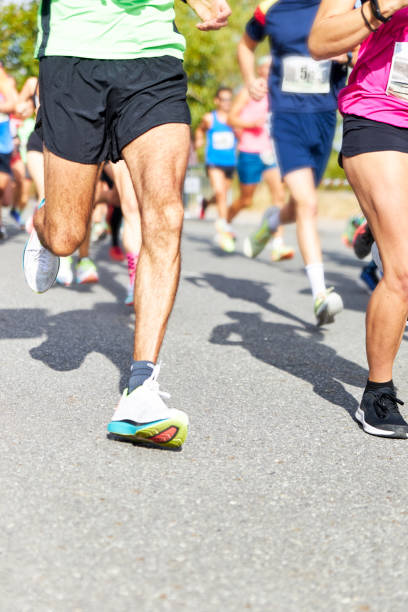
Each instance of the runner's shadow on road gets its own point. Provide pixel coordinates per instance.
(72, 335)
(250, 291)
(287, 348)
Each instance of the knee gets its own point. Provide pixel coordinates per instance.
(398, 283)
(64, 241)
(307, 208)
(161, 226)
(219, 195)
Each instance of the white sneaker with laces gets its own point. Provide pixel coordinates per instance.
(40, 265)
(142, 415)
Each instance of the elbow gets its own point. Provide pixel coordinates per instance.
(315, 48)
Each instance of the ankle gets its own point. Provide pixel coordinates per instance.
(139, 372)
(373, 386)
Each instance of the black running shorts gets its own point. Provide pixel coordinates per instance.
(361, 135)
(5, 167)
(91, 109)
(227, 170)
(34, 143)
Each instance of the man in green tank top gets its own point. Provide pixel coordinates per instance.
(112, 86)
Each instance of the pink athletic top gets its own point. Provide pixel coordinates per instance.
(366, 93)
(255, 140)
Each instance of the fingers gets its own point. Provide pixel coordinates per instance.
(217, 22)
(257, 89)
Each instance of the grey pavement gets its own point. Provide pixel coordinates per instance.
(277, 502)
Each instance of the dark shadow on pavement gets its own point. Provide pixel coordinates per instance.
(287, 348)
(250, 291)
(71, 336)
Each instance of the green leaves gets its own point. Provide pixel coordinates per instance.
(18, 32)
(211, 57)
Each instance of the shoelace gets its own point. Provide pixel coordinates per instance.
(152, 384)
(385, 403)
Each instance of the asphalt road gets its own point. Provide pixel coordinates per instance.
(277, 502)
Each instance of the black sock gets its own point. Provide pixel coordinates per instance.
(139, 372)
(114, 222)
(373, 386)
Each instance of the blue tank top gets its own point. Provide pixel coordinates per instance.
(221, 144)
(6, 141)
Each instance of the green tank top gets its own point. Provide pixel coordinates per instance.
(108, 29)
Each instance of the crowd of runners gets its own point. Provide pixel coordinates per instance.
(111, 117)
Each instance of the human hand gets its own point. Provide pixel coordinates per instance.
(24, 110)
(258, 88)
(213, 13)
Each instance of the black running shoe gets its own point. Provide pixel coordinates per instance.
(362, 241)
(379, 415)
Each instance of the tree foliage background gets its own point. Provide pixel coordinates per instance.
(210, 59)
(18, 27)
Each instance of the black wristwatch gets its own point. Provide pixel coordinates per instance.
(375, 7)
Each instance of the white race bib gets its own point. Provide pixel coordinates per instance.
(305, 75)
(222, 141)
(398, 80)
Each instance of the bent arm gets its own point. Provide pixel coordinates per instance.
(246, 59)
(234, 118)
(257, 87)
(10, 96)
(338, 27)
(199, 136)
(28, 89)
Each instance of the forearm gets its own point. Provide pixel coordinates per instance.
(7, 107)
(236, 122)
(246, 60)
(334, 34)
(199, 139)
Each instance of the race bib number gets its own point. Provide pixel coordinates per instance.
(223, 140)
(398, 80)
(304, 75)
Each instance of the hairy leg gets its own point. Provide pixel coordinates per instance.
(157, 162)
(380, 182)
(63, 223)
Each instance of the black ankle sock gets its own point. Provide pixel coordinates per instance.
(373, 386)
(114, 222)
(139, 372)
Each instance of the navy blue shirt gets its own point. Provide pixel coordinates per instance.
(287, 24)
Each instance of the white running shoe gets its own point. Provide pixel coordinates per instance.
(40, 265)
(142, 415)
(327, 305)
(65, 274)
